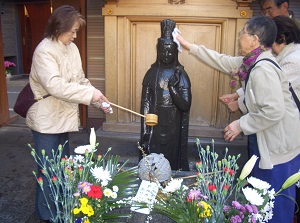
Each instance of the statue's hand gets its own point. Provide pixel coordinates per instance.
(174, 80)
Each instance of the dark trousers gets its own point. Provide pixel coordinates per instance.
(47, 142)
(284, 207)
(298, 203)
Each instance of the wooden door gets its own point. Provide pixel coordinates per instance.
(33, 20)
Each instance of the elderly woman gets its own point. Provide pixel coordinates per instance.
(287, 50)
(272, 122)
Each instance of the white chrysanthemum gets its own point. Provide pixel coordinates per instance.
(259, 184)
(100, 174)
(107, 192)
(172, 186)
(114, 195)
(115, 188)
(253, 196)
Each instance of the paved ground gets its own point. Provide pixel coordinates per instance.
(17, 183)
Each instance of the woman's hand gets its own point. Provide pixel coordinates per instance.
(233, 106)
(227, 98)
(231, 101)
(99, 97)
(232, 130)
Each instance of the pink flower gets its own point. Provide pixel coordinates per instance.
(84, 186)
(9, 64)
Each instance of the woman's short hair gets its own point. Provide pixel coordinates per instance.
(263, 27)
(287, 30)
(62, 20)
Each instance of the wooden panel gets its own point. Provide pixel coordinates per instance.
(170, 11)
(95, 51)
(131, 35)
(4, 114)
(111, 69)
(144, 55)
(202, 77)
(165, 2)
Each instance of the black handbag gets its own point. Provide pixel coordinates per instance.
(25, 100)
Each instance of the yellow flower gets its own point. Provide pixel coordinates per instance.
(248, 167)
(205, 211)
(83, 201)
(76, 210)
(86, 221)
(91, 211)
(84, 210)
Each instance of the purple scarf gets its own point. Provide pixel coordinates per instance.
(248, 62)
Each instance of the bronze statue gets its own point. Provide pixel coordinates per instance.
(167, 92)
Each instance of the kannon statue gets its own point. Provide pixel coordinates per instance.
(167, 92)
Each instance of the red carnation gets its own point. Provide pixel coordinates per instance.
(95, 192)
(212, 188)
(226, 187)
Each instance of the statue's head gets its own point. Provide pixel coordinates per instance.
(166, 47)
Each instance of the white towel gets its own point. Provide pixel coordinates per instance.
(174, 34)
(106, 105)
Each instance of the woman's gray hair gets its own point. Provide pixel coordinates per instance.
(263, 27)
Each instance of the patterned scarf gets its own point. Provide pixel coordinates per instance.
(248, 62)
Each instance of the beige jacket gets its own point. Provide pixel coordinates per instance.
(57, 70)
(272, 115)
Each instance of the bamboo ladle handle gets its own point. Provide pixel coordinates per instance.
(126, 109)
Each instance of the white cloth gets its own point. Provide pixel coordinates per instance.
(106, 105)
(174, 34)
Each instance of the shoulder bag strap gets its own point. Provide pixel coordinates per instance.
(296, 99)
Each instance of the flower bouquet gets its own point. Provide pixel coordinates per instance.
(86, 188)
(8, 65)
(217, 196)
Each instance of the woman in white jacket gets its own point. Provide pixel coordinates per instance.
(57, 70)
(287, 51)
(272, 122)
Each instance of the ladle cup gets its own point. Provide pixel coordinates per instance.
(150, 119)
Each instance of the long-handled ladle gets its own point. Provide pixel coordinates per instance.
(150, 119)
